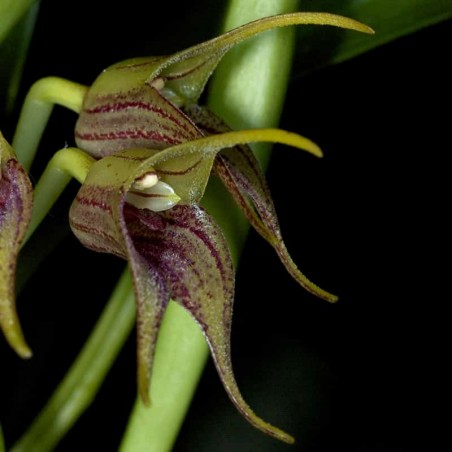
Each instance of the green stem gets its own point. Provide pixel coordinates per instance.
(79, 387)
(249, 87)
(62, 167)
(38, 106)
(155, 429)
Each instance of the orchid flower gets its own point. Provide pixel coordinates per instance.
(144, 207)
(141, 200)
(15, 213)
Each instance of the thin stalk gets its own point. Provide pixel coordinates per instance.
(249, 87)
(78, 389)
(38, 106)
(177, 368)
(62, 167)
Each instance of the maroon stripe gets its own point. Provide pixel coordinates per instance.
(182, 172)
(121, 106)
(116, 107)
(194, 128)
(184, 223)
(90, 230)
(146, 195)
(135, 65)
(127, 134)
(91, 202)
(188, 72)
(129, 157)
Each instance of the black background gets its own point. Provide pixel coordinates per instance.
(366, 222)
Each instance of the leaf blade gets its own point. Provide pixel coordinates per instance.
(390, 20)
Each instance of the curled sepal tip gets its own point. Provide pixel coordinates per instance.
(242, 176)
(15, 213)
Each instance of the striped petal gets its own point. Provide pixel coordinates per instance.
(240, 172)
(15, 213)
(190, 252)
(135, 103)
(104, 221)
(97, 217)
(140, 117)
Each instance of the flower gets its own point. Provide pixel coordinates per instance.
(15, 213)
(156, 150)
(143, 206)
(142, 203)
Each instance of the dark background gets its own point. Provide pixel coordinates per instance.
(366, 222)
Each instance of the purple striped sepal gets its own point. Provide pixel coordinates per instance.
(239, 170)
(179, 253)
(15, 213)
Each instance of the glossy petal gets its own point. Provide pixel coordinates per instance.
(240, 172)
(134, 103)
(15, 213)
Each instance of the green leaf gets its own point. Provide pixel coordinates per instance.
(17, 21)
(11, 11)
(390, 19)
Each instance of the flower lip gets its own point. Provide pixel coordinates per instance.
(158, 197)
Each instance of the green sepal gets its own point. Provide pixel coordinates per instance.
(185, 73)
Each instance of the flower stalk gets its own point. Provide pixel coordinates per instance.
(37, 108)
(66, 164)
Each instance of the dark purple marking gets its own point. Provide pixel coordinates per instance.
(182, 222)
(127, 134)
(180, 173)
(188, 72)
(91, 202)
(92, 231)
